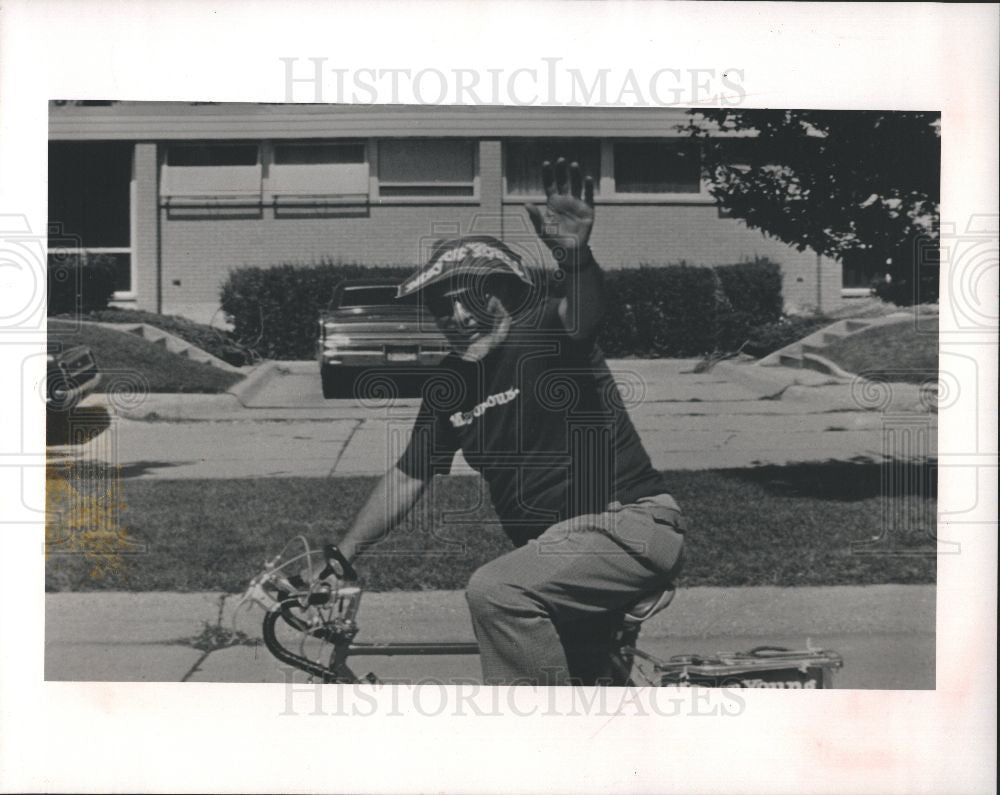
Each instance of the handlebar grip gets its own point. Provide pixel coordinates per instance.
(333, 554)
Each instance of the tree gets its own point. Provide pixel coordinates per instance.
(861, 186)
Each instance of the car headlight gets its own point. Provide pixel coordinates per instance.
(334, 340)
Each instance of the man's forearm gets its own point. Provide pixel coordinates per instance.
(391, 499)
(584, 305)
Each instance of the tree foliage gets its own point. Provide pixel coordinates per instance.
(860, 186)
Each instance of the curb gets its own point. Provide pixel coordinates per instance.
(249, 387)
(838, 391)
(167, 406)
(184, 405)
(771, 382)
(841, 392)
(874, 396)
(822, 364)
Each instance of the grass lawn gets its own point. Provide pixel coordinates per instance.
(796, 525)
(123, 357)
(896, 352)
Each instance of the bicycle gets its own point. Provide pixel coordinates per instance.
(325, 609)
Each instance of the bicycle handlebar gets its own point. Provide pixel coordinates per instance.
(332, 554)
(336, 673)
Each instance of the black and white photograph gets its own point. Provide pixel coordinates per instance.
(438, 398)
(562, 378)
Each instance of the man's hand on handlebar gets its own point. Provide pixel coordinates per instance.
(323, 573)
(337, 564)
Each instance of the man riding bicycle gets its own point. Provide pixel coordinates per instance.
(537, 413)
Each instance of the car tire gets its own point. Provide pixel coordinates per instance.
(61, 397)
(338, 382)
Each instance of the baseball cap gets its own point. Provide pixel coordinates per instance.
(472, 256)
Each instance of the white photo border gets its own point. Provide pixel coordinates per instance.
(233, 738)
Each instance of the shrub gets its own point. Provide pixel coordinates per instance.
(753, 288)
(275, 310)
(659, 311)
(79, 283)
(902, 291)
(752, 297)
(652, 311)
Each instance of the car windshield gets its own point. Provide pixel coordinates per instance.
(376, 295)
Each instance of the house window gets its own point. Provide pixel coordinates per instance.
(427, 169)
(212, 155)
(203, 171)
(326, 171)
(649, 167)
(90, 205)
(523, 162)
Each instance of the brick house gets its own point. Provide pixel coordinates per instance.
(179, 194)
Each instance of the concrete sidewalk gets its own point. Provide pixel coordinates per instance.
(289, 390)
(884, 632)
(733, 415)
(278, 424)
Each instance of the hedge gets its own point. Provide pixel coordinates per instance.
(79, 283)
(675, 310)
(752, 291)
(275, 311)
(660, 311)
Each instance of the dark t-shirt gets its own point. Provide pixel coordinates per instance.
(542, 420)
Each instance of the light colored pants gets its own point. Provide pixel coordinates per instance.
(547, 613)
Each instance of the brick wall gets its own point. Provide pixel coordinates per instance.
(198, 253)
(631, 235)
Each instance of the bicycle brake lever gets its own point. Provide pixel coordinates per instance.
(332, 554)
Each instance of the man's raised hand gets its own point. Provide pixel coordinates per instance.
(565, 223)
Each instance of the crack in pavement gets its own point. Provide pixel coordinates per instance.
(343, 449)
(218, 622)
(214, 637)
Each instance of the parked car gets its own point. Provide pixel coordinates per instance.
(365, 328)
(70, 374)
